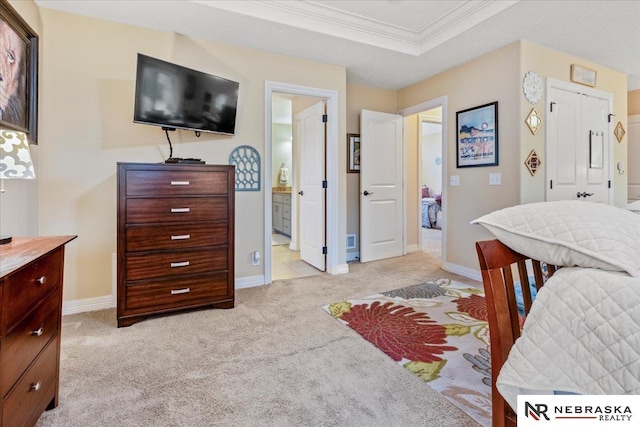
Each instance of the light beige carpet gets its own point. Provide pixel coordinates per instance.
(276, 359)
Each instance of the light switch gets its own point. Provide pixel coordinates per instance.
(495, 179)
(454, 180)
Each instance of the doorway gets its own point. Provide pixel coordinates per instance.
(298, 162)
(274, 89)
(430, 173)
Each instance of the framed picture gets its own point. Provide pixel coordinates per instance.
(353, 152)
(19, 71)
(583, 75)
(477, 140)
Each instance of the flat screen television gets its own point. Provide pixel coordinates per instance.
(173, 96)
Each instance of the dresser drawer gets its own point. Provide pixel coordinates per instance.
(176, 209)
(153, 265)
(27, 287)
(175, 183)
(168, 237)
(160, 295)
(31, 395)
(30, 336)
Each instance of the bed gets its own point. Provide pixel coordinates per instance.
(582, 332)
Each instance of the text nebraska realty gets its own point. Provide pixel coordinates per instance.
(601, 413)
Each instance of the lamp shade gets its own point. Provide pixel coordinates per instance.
(15, 158)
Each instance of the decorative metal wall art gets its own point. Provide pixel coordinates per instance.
(534, 121)
(246, 159)
(533, 162)
(619, 132)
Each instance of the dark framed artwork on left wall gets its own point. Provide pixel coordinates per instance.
(18, 73)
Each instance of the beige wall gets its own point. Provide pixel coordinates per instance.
(362, 98)
(492, 77)
(497, 76)
(633, 102)
(86, 108)
(549, 63)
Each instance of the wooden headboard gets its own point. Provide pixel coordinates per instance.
(499, 265)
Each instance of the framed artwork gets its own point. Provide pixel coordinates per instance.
(583, 75)
(353, 152)
(477, 139)
(19, 71)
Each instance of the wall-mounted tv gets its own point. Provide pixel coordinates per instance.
(173, 96)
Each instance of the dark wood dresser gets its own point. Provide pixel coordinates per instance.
(31, 273)
(175, 238)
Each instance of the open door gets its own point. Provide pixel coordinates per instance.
(381, 189)
(311, 134)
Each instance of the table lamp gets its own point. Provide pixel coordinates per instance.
(15, 161)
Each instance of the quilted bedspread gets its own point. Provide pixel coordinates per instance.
(581, 336)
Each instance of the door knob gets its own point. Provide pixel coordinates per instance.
(584, 194)
(301, 193)
(366, 193)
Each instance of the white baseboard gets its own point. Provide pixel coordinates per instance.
(87, 304)
(353, 256)
(413, 248)
(463, 271)
(249, 282)
(339, 269)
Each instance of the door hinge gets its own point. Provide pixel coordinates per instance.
(609, 117)
(324, 250)
(551, 184)
(551, 106)
(325, 184)
(324, 118)
(609, 184)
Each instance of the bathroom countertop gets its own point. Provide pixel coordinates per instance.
(284, 190)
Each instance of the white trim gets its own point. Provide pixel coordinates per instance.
(339, 269)
(353, 256)
(467, 272)
(249, 282)
(332, 176)
(413, 248)
(633, 119)
(419, 108)
(109, 301)
(87, 304)
(326, 19)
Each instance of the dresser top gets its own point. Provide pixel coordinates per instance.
(23, 250)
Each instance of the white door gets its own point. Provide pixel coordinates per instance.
(578, 147)
(311, 133)
(381, 189)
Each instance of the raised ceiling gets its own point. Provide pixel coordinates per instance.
(392, 44)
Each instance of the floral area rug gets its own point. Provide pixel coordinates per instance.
(437, 330)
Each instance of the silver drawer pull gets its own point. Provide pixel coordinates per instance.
(38, 332)
(40, 280)
(179, 264)
(179, 210)
(180, 291)
(36, 386)
(181, 237)
(179, 182)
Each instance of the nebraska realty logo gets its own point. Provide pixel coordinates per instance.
(578, 410)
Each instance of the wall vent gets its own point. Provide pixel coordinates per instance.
(351, 241)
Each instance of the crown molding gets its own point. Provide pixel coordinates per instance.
(313, 16)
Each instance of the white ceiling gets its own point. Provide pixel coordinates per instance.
(392, 44)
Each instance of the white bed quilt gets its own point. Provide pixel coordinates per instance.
(581, 336)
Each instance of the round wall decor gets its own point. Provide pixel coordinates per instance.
(532, 87)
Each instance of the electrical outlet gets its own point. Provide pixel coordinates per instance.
(454, 180)
(495, 179)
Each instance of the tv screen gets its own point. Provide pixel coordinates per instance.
(173, 96)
